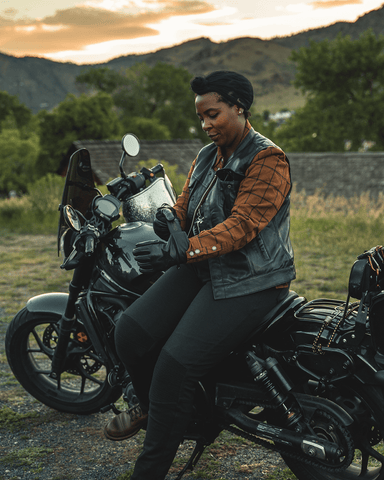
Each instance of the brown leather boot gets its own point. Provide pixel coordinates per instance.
(126, 424)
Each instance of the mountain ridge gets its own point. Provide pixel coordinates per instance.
(41, 83)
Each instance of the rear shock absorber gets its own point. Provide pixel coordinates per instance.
(276, 386)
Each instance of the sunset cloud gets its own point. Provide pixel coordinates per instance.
(95, 31)
(335, 3)
(75, 28)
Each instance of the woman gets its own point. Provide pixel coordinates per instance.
(237, 263)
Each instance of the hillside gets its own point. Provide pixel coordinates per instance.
(41, 83)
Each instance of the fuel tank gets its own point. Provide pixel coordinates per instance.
(117, 269)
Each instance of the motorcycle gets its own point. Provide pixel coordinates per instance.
(308, 383)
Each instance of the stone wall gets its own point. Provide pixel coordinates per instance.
(345, 174)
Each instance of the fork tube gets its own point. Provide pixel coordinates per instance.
(67, 321)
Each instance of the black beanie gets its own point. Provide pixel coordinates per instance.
(232, 86)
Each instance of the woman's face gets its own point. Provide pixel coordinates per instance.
(223, 124)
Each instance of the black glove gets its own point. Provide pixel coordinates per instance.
(155, 255)
(160, 225)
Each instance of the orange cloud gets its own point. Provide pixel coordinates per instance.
(334, 3)
(213, 24)
(75, 28)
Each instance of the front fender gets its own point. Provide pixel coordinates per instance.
(48, 302)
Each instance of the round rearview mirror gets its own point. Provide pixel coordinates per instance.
(130, 144)
(71, 217)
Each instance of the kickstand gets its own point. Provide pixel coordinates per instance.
(193, 459)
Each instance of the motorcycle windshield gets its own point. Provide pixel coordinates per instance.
(79, 189)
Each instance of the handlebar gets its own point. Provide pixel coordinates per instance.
(89, 245)
(132, 184)
(120, 189)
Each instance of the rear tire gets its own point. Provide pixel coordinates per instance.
(365, 405)
(83, 387)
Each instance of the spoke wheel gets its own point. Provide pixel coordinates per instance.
(83, 386)
(364, 405)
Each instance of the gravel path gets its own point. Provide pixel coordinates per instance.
(53, 446)
(38, 443)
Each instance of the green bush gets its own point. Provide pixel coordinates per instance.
(45, 194)
(35, 212)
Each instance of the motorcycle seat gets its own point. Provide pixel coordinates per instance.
(290, 301)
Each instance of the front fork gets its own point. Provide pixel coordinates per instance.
(80, 278)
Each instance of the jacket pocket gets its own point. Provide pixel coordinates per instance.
(228, 187)
(263, 248)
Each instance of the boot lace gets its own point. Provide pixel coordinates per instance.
(135, 412)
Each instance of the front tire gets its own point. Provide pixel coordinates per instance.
(83, 387)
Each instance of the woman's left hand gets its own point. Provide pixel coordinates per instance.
(155, 255)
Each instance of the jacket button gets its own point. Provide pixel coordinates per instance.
(214, 248)
(197, 250)
(191, 254)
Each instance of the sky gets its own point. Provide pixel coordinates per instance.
(95, 31)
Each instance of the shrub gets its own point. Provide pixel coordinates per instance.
(35, 212)
(45, 194)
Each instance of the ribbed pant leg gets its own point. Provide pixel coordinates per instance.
(146, 325)
(209, 330)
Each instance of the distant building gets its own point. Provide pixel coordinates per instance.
(280, 117)
(105, 156)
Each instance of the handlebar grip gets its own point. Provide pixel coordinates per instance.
(157, 168)
(124, 192)
(89, 245)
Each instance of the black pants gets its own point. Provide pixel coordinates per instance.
(171, 337)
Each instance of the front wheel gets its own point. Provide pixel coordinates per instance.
(83, 387)
(365, 406)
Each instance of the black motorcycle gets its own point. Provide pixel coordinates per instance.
(307, 384)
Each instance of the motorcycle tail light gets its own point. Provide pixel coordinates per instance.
(376, 321)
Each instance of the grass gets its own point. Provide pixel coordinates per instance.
(284, 475)
(30, 266)
(327, 235)
(27, 458)
(10, 420)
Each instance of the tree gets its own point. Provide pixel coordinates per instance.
(76, 118)
(161, 93)
(344, 82)
(263, 125)
(103, 79)
(148, 128)
(18, 157)
(12, 111)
